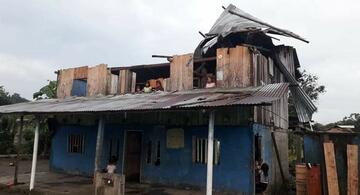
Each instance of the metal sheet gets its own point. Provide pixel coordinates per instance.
(194, 99)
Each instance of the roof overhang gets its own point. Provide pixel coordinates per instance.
(157, 101)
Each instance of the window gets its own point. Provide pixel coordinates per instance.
(76, 143)
(153, 154)
(149, 152)
(200, 151)
(79, 87)
(157, 162)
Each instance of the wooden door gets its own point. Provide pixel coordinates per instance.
(133, 156)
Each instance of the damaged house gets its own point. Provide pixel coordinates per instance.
(185, 134)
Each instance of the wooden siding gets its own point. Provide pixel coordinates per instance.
(127, 81)
(81, 72)
(181, 72)
(97, 80)
(234, 67)
(65, 82)
(112, 84)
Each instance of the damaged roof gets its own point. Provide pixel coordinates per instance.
(194, 99)
(234, 19)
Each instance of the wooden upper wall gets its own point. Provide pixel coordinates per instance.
(98, 81)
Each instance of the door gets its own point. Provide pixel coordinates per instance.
(133, 156)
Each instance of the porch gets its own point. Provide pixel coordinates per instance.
(61, 184)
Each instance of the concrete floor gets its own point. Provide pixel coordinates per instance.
(49, 183)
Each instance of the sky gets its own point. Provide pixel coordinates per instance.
(40, 37)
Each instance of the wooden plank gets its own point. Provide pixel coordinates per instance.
(331, 173)
(97, 80)
(112, 84)
(352, 164)
(222, 61)
(133, 82)
(65, 82)
(81, 72)
(181, 72)
(313, 180)
(301, 175)
(235, 66)
(126, 79)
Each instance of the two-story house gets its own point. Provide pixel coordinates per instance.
(186, 132)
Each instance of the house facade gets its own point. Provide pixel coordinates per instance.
(185, 134)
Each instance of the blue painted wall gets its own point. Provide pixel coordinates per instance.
(235, 171)
(79, 88)
(313, 152)
(74, 163)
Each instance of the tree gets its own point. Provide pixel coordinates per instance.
(6, 98)
(310, 83)
(46, 92)
(7, 123)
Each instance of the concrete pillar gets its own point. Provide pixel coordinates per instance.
(99, 144)
(18, 150)
(210, 154)
(34, 157)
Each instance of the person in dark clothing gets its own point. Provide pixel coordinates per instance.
(261, 186)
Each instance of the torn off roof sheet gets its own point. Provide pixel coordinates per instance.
(235, 20)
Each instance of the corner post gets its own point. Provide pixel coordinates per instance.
(99, 143)
(210, 154)
(35, 152)
(18, 150)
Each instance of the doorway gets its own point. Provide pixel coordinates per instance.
(133, 156)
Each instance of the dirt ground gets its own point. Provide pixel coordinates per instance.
(49, 183)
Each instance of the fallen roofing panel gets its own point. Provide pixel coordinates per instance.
(194, 99)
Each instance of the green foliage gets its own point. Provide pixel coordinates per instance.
(310, 83)
(46, 92)
(7, 123)
(352, 119)
(7, 135)
(6, 98)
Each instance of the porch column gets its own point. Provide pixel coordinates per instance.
(35, 152)
(18, 150)
(210, 153)
(99, 144)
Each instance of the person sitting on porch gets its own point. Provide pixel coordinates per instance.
(210, 82)
(111, 167)
(147, 88)
(159, 86)
(261, 186)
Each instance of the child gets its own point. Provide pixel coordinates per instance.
(112, 165)
(261, 186)
(210, 82)
(147, 88)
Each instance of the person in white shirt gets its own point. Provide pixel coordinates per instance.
(111, 167)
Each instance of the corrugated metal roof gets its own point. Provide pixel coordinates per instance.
(234, 19)
(194, 99)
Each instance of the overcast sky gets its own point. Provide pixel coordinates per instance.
(39, 37)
